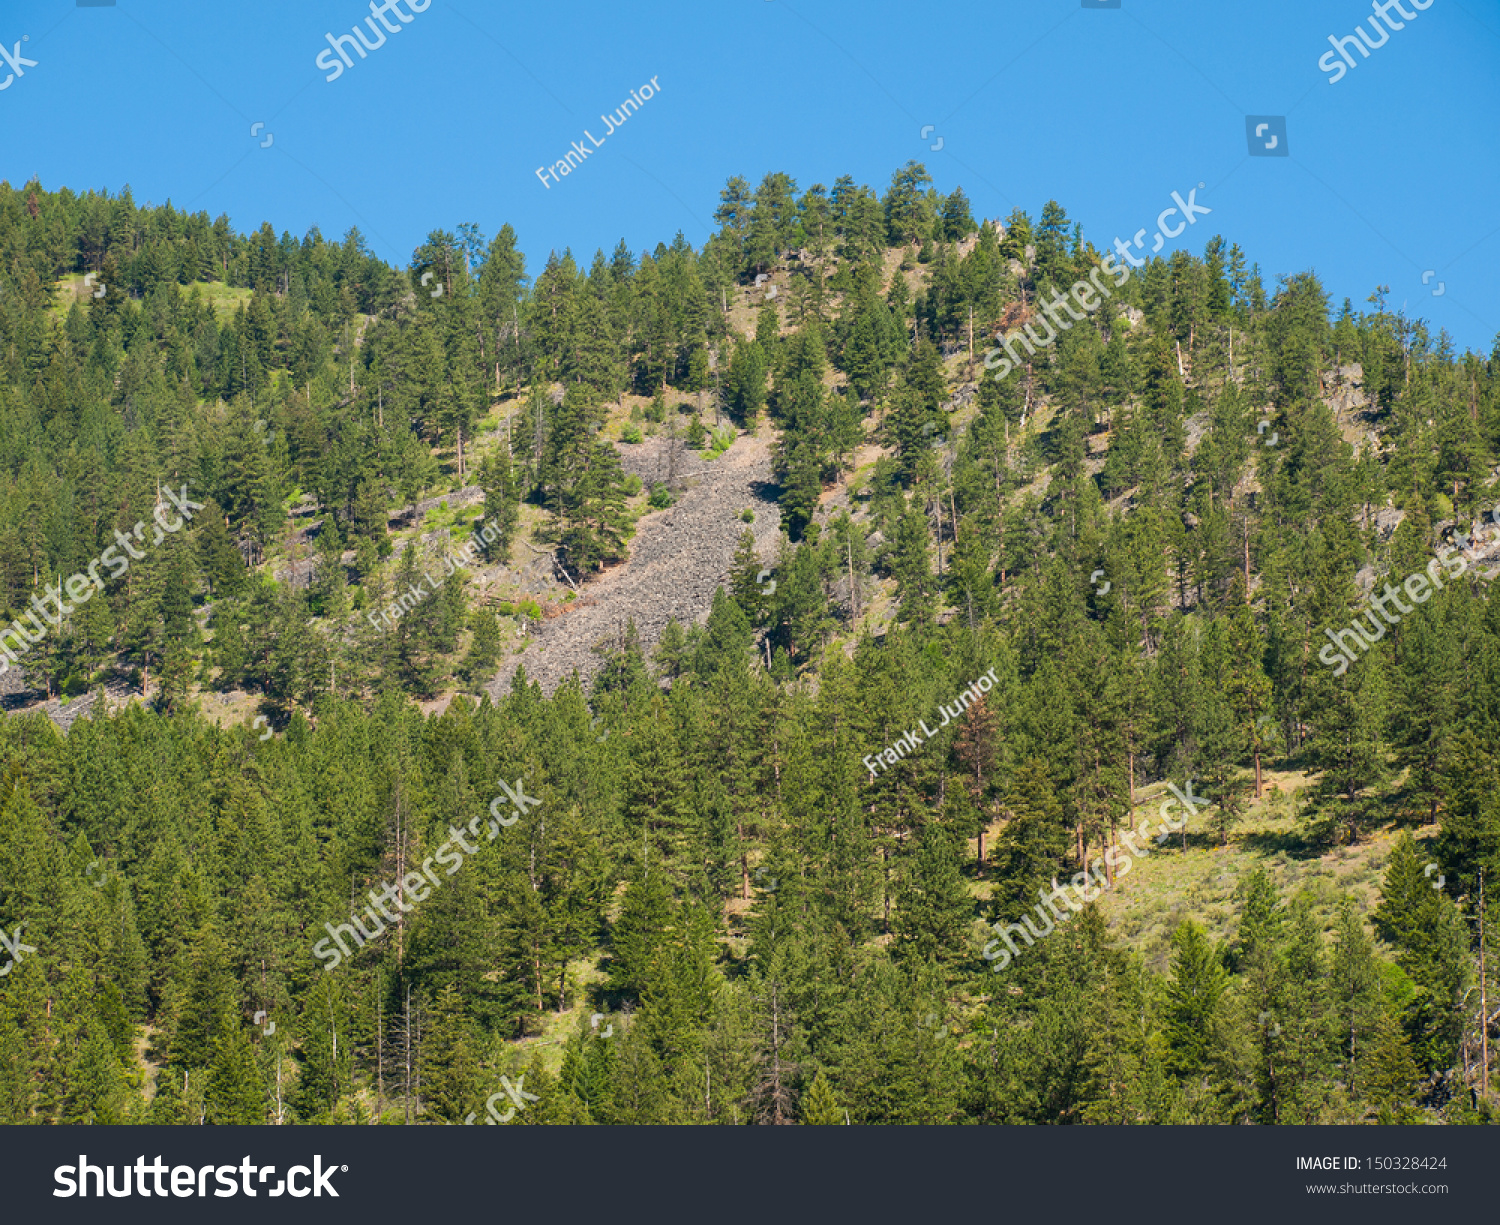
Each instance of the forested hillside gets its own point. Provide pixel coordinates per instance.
(325, 853)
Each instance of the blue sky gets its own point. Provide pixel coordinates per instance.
(1393, 171)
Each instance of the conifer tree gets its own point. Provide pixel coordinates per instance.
(233, 1093)
(819, 1106)
(1390, 1076)
(1356, 986)
(585, 486)
(1194, 997)
(484, 647)
(644, 914)
(915, 583)
(448, 1071)
(745, 582)
(1029, 852)
(933, 910)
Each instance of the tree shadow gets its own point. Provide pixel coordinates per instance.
(1293, 843)
(768, 492)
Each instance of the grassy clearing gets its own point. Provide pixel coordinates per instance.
(1200, 883)
(585, 992)
(223, 298)
(459, 520)
(1170, 884)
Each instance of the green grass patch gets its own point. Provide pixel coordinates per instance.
(719, 440)
(1171, 884)
(225, 299)
(456, 519)
(519, 608)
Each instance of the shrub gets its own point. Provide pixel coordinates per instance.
(661, 497)
(747, 515)
(722, 440)
(630, 434)
(632, 485)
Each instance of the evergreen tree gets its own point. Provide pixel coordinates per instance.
(933, 910)
(1390, 1076)
(448, 1064)
(233, 1093)
(819, 1106)
(502, 504)
(1194, 997)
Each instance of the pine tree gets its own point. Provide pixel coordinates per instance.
(746, 584)
(448, 1063)
(746, 385)
(1356, 986)
(502, 504)
(1194, 998)
(727, 639)
(180, 634)
(1390, 1076)
(96, 1088)
(585, 486)
(957, 220)
(1348, 742)
(1029, 851)
(326, 1048)
(908, 211)
(915, 583)
(819, 1106)
(933, 910)
(330, 588)
(233, 1093)
(484, 647)
(209, 997)
(644, 914)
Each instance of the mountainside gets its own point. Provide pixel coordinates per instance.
(1014, 683)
